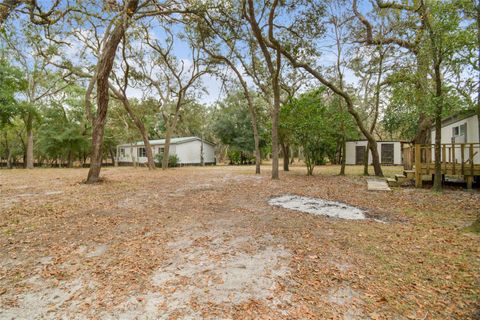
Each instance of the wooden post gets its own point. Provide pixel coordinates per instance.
(462, 150)
(444, 158)
(428, 158)
(472, 165)
(418, 166)
(454, 160)
(469, 182)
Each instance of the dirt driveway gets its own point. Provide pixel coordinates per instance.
(203, 243)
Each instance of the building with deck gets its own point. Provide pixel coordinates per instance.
(189, 150)
(390, 152)
(460, 149)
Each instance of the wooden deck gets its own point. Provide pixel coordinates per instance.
(457, 159)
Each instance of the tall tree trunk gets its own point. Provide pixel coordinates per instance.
(437, 183)
(8, 151)
(424, 123)
(366, 160)
(29, 153)
(343, 151)
(112, 156)
(133, 157)
(70, 158)
(202, 158)
(274, 70)
(275, 120)
(286, 155)
(166, 147)
(104, 69)
(478, 69)
(256, 140)
(9, 159)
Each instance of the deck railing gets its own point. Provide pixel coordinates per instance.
(461, 159)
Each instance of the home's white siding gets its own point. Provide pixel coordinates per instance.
(188, 152)
(470, 137)
(350, 154)
(472, 130)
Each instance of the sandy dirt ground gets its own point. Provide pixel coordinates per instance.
(204, 243)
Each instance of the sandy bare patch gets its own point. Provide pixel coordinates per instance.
(212, 268)
(318, 207)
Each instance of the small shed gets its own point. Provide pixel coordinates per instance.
(187, 149)
(390, 152)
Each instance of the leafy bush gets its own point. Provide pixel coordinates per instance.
(237, 157)
(172, 160)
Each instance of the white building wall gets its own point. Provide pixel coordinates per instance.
(188, 152)
(471, 137)
(208, 153)
(350, 154)
(472, 130)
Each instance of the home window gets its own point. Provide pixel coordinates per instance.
(142, 152)
(122, 152)
(459, 130)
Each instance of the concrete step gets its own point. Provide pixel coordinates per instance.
(377, 185)
(400, 178)
(410, 174)
(392, 182)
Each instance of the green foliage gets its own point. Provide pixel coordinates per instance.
(313, 124)
(233, 127)
(12, 82)
(173, 160)
(237, 157)
(63, 133)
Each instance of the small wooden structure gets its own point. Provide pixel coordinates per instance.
(457, 159)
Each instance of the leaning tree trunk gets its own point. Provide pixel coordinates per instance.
(104, 69)
(348, 100)
(143, 131)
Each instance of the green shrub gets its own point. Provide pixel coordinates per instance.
(172, 160)
(237, 157)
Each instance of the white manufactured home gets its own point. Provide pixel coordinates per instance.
(187, 149)
(390, 152)
(461, 128)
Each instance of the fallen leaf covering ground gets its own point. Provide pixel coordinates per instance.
(192, 243)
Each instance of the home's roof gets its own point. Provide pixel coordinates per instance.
(456, 117)
(172, 141)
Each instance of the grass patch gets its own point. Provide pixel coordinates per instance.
(474, 227)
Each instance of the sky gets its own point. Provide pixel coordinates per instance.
(211, 83)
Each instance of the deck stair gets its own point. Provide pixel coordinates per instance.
(392, 182)
(408, 175)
